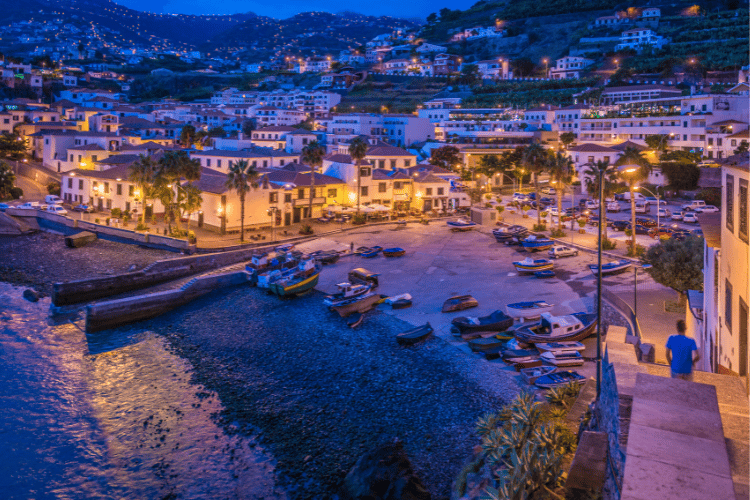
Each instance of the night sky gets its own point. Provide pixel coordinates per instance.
(287, 8)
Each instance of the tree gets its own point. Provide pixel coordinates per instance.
(171, 168)
(657, 142)
(489, 165)
(470, 75)
(12, 145)
(677, 264)
(534, 159)
(358, 150)
(7, 179)
(142, 173)
(248, 126)
(567, 138)
(217, 132)
(189, 201)
(512, 161)
(242, 175)
(448, 157)
(560, 167)
(431, 18)
(611, 186)
(682, 173)
(743, 148)
(187, 135)
(639, 172)
(312, 155)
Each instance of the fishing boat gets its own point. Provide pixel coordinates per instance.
(476, 334)
(530, 375)
(459, 303)
(403, 296)
(265, 262)
(461, 222)
(544, 274)
(481, 345)
(535, 243)
(563, 358)
(394, 252)
(528, 364)
(355, 320)
(266, 279)
(360, 304)
(529, 265)
(346, 291)
(414, 335)
(529, 309)
(611, 268)
(505, 234)
(560, 346)
(520, 355)
(558, 378)
(576, 326)
(371, 252)
(302, 280)
(498, 321)
(326, 257)
(401, 304)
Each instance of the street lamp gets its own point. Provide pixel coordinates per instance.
(272, 212)
(601, 167)
(635, 287)
(546, 67)
(658, 203)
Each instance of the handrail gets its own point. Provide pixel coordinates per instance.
(624, 309)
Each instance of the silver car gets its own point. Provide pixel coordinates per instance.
(558, 251)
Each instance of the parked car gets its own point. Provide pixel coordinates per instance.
(639, 229)
(57, 209)
(548, 190)
(677, 215)
(592, 205)
(553, 211)
(651, 200)
(659, 232)
(693, 205)
(680, 235)
(519, 197)
(547, 200)
(697, 232)
(663, 213)
(620, 225)
(558, 251)
(642, 208)
(87, 209)
(594, 221)
(30, 205)
(690, 217)
(706, 209)
(645, 222)
(626, 196)
(613, 206)
(53, 199)
(4, 207)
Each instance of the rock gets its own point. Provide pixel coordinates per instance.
(384, 473)
(132, 268)
(32, 295)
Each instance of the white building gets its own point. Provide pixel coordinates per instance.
(569, 67)
(639, 38)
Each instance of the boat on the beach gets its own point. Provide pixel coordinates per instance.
(414, 335)
(562, 358)
(355, 320)
(544, 274)
(394, 252)
(528, 309)
(506, 234)
(346, 291)
(529, 265)
(371, 252)
(401, 304)
(360, 304)
(482, 344)
(498, 321)
(560, 346)
(520, 355)
(403, 296)
(576, 326)
(302, 280)
(558, 378)
(461, 222)
(459, 303)
(326, 257)
(611, 268)
(266, 262)
(530, 375)
(536, 243)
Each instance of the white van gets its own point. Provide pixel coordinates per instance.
(53, 199)
(626, 196)
(694, 204)
(642, 208)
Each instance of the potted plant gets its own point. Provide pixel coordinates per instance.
(526, 209)
(500, 209)
(581, 225)
(306, 229)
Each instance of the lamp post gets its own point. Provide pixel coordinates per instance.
(658, 204)
(602, 168)
(272, 212)
(635, 287)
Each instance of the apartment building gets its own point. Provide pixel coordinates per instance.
(569, 67)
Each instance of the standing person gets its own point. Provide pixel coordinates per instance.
(680, 351)
(351, 247)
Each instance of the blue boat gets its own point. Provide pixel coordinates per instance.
(537, 243)
(545, 274)
(529, 265)
(460, 222)
(394, 252)
(611, 268)
(371, 252)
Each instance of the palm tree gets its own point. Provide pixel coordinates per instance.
(358, 150)
(312, 155)
(241, 176)
(142, 172)
(189, 201)
(610, 183)
(172, 167)
(634, 169)
(534, 159)
(560, 167)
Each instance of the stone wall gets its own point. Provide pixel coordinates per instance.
(607, 419)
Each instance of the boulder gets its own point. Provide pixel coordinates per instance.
(80, 239)
(384, 473)
(31, 295)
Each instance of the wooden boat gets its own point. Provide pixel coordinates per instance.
(530, 375)
(478, 334)
(355, 320)
(266, 262)
(266, 279)
(371, 252)
(459, 303)
(461, 222)
(558, 378)
(576, 326)
(560, 346)
(481, 345)
(301, 281)
(563, 358)
(535, 243)
(391, 300)
(520, 355)
(494, 352)
(505, 234)
(545, 274)
(414, 335)
(326, 257)
(497, 321)
(528, 364)
(611, 268)
(401, 304)
(529, 309)
(529, 265)
(346, 292)
(360, 304)
(394, 252)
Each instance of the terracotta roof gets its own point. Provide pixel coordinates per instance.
(277, 128)
(591, 148)
(246, 153)
(629, 144)
(87, 147)
(711, 227)
(387, 151)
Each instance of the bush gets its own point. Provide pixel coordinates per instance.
(96, 221)
(540, 227)
(16, 192)
(116, 213)
(357, 219)
(640, 250)
(557, 233)
(712, 196)
(141, 227)
(608, 244)
(53, 188)
(307, 228)
(575, 183)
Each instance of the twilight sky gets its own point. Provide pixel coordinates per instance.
(287, 8)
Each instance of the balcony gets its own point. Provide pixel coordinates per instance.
(303, 202)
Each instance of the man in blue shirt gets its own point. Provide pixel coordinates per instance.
(680, 351)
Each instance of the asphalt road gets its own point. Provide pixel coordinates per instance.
(32, 190)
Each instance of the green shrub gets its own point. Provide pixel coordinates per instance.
(639, 251)
(359, 219)
(96, 221)
(540, 227)
(141, 227)
(608, 244)
(557, 233)
(307, 228)
(16, 192)
(53, 188)
(116, 213)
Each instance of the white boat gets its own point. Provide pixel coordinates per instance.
(403, 296)
(346, 291)
(564, 346)
(527, 310)
(564, 358)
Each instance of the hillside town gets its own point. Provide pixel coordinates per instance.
(310, 141)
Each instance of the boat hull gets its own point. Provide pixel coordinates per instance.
(558, 379)
(568, 358)
(524, 310)
(360, 305)
(411, 337)
(394, 252)
(300, 287)
(459, 303)
(620, 268)
(529, 336)
(532, 268)
(495, 322)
